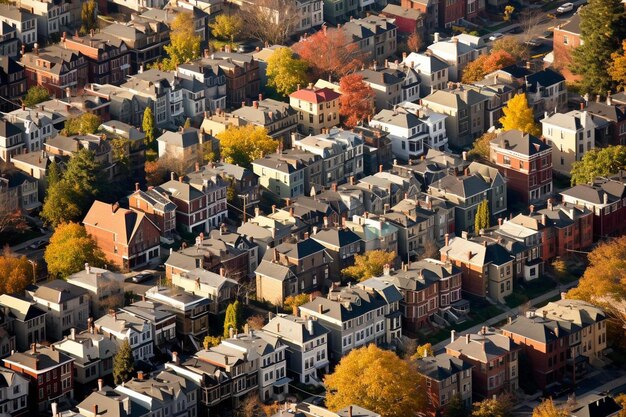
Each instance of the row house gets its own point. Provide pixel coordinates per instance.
(204, 81)
(546, 92)
(7, 334)
(392, 85)
(289, 173)
(104, 286)
(408, 21)
(24, 22)
(432, 71)
(335, 203)
(487, 268)
(106, 402)
(198, 9)
(50, 374)
(317, 107)
(337, 11)
(291, 269)
(127, 238)
(431, 293)
(278, 118)
(525, 162)
(375, 232)
(52, 17)
(457, 52)
(217, 288)
(243, 180)
(498, 95)
(415, 228)
(160, 91)
(341, 244)
(108, 56)
(429, 9)
(214, 187)
(12, 80)
(28, 322)
(356, 316)
(268, 232)
(565, 40)
(65, 147)
(524, 244)
(163, 322)
(237, 242)
(610, 119)
(287, 223)
(375, 36)
(19, 191)
(67, 306)
(385, 189)
(307, 346)
(446, 376)
(92, 353)
(191, 311)
(376, 150)
(9, 41)
(124, 327)
(14, 393)
(11, 143)
(425, 206)
(37, 126)
(571, 135)
(243, 81)
(136, 5)
(606, 199)
(158, 207)
(494, 359)
(341, 154)
(184, 146)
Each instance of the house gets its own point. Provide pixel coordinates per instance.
(566, 39)
(28, 320)
(307, 346)
(446, 376)
(66, 147)
(19, 190)
(494, 359)
(218, 289)
(423, 206)
(184, 145)
(457, 52)
(318, 108)
(201, 11)
(391, 85)
(101, 285)
(51, 17)
(206, 81)
(431, 293)
(124, 327)
(375, 36)
(163, 322)
(288, 173)
(92, 353)
(241, 71)
(134, 146)
(278, 118)
(14, 393)
(525, 162)
(37, 125)
(214, 187)
(546, 92)
(158, 207)
(128, 238)
(408, 21)
(305, 409)
(242, 242)
(602, 406)
(610, 118)
(11, 142)
(24, 22)
(107, 402)
(375, 232)
(292, 269)
(487, 269)
(340, 11)
(433, 72)
(67, 306)
(7, 333)
(49, 373)
(9, 40)
(368, 312)
(385, 189)
(498, 95)
(341, 245)
(570, 227)
(415, 228)
(570, 135)
(243, 180)
(429, 10)
(376, 148)
(12, 80)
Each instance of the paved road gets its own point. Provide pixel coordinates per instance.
(141, 288)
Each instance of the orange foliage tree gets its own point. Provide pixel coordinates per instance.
(15, 272)
(485, 64)
(357, 99)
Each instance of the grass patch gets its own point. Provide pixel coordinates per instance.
(515, 299)
(537, 287)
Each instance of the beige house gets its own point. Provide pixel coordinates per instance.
(184, 145)
(318, 108)
(289, 173)
(571, 135)
(216, 287)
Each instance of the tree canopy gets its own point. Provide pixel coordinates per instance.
(547, 408)
(617, 67)
(423, 351)
(227, 27)
(512, 46)
(232, 318)
(242, 145)
(16, 273)
(598, 162)
(368, 265)
(518, 115)
(273, 27)
(285, 71)
(123, 363)
(481, 221)
(486, 64)
(88, 17)
(35, 95)
(85, 124)
(211, 341)
(184, 43)
(295, 301)
(386, 384)
(494, 407)
(356, 100)
(481, 147)
(149, 126)
(70, 248)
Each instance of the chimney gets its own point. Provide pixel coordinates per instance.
(447, 239)
(380, 168)
(290, 211)
(499, 221)
(73, 333)
(350, 411)
(222, 272)
(550, 204)
(34, 347)
(544, 313)
(465, 155)
(175, 358)
(100, 384)
(467, 338)
(255, 104)
(452, 335)
(334, 186)
(609, 100)
(273, 208)
(36, 47)
(325, 222)
(136, 186)
(95, 410)
(320, 309)
(605, 198)
(306, 235)
(87, 268)
(543, 219)
(197, 166)
(436, 37)
(309, 326)
(276, 255)
(531, 208)
(172, 176)
(386, 269)
(55, 409)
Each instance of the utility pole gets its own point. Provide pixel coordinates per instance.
(245, 206)
(34, 264)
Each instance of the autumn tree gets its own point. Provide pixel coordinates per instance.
(559, 268)
(242, 145)
(414, 42)
(423, 351)
(227, 27)
(386, 384)
(123, 363)
(494, 407)
(621, 401)
(481, 147)
(211, 341)
(70, 248)
(88, 17)
(598, 162)
(602, 29)
(251, 406)
(429, 249)
(330, 53)
(16, 273)
(285, 72)
(148, 125)
(232, 319)
(486, 64)
(455, 407)
(617, 67)
(547, 408)
(184, 43)
(85, 124)
(356, 100)
(35, 95)
(518, 115)
(256, 322)
(271, 21)
(481, 221)
(512, 46)
(370, 264)
(60, 205)
(474, 71)
(295, 301)
(159, 171)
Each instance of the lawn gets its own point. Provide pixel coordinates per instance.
(522, 293)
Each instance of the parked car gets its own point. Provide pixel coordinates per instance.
(516, 29)
(533, 43)
(38, 245)
(565, 8)
(495, 36)
(144, 276)
(548, 34)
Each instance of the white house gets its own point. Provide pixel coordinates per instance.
(123, 326)
(13, 393)
(433, 72)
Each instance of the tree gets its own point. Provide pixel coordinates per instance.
(184, 43)
(330, 53)
(285, 72)
(35, 95)
(423, 351)
(486, 64)
(242, 145)
(61, 205)
(85, 124)
(386, 384)
(149, 126)
(481, 147)
(227, 27)
(211, 341)
(187, 123)
(295, 301)
(70, 248)
(494, 407)
(16, 273)
(559, 268)
(414, 42)
(429, 250)
(456, 407)
(474, 71)
(54, 174)
(621, 401)
(602, 29)
(547, 408)
(617, 67)
(370, 264)
(88, 17)
(356, 100)
(508, 12)
(481, 221)
(123, 363)
(511, 45)
(598, 162)
(232, 319)
(518, 115)
(271, 21)
(251, 406)
(256, 322)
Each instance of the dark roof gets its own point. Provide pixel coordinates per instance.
(44, 357)
(298, 250)
(545, 78)
(8, 129)
(572, 25)
(606, 111)
(346, 303)
(602, 407)
(520, 142)
(539, 329)
(516, 71)
(336, 237)
(441, 367)
(497, 254)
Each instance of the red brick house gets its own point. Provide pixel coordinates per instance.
(566, 39)
(51, 374)
(129, 239)
(429, 10)
(158, 207)
(526, 163)
(407, 20)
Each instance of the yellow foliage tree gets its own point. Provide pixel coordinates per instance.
(369, 265)
(423, 351)
(71, 247)
(285, 72)
(227, 27)
(518, 115)
(184, 43)
(242, 145)
(481, 147)
(621, 400)
(617, 67)
(377, 380)
(547, 408)
(295, 301)
(493, 407)
(15, 272)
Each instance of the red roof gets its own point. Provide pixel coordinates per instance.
(315, 95)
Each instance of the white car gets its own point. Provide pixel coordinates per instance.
(565, 8)
(495, 36)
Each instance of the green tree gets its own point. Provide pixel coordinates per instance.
(598, 162)
(123, 363)
(455, 408)
(88, 16)
(70, 248)
(494, 407)
(84, 124)
(285, 72)
(481, 221)
(211, 341)
(35, 95)
(481, 147)
(518, 115)
(60, 205)
(54, 174)
(232, 319)
(242, 145)
(227, 27)
(149, 126)
(369, 265)
(184, 43)
(602, 29)
(386, 384)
